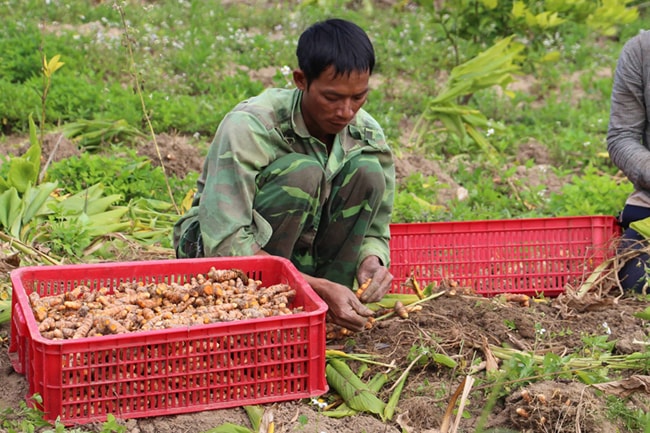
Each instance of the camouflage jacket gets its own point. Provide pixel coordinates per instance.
(251, 136)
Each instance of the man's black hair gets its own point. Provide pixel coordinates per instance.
(334, 42)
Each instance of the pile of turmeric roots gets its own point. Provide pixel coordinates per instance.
(219, 296)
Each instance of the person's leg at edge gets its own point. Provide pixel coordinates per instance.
(633, 274)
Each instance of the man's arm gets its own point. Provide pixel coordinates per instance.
(628, 118)
(229, 225)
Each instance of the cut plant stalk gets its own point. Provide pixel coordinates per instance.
(397, 388)
(634, 361)
(420, 301)
(388, 301)
(412, 283)
(596, 276)
(26, 249)
(365, 358)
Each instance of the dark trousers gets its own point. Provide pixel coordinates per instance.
(633, 274)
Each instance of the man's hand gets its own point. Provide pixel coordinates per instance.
(344, 307)
(381, 282)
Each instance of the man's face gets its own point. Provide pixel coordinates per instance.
(330, 102)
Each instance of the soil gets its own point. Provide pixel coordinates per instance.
(459, 324)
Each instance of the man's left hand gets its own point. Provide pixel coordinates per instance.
(381, 279)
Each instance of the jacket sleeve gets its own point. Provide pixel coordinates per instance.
(628, 121)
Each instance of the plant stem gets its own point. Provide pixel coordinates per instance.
(26, 249)
(138, 90)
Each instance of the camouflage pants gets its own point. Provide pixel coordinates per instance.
(319, 226)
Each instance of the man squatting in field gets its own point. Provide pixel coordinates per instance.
(304, 174)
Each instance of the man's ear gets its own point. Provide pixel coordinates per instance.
(299, 79)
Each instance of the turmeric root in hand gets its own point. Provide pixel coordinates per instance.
(362, 288)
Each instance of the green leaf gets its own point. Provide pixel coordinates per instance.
(518, 9)
(375, 384)
(354, 392)
(5, 311)
(11, 207)
(389, 411)
(35, 199)
(642, 227)
(255, 414)
(21, 174)
(644, 315)
(89, 201)
(53, 65)
(340, 412)
(4, 185)
(33, 154)
(106, 222)
(444, 360)
(490, 4)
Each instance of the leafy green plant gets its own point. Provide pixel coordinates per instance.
(28, 418)
(427, 355)
(49, 68)
(595, 345)
(22, 172)
(92, 135)
(634, 418)
(130, 176)
(415, 198)
(492, 67)
(591, 194)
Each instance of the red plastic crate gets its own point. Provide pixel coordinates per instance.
(171, 371)
(531, 256)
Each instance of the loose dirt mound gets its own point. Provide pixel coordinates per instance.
(467, 328)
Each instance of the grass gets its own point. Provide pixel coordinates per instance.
(196, 65)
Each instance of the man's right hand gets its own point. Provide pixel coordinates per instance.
(344, 307)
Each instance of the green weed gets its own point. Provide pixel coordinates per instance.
(130, 176)
(633, 418)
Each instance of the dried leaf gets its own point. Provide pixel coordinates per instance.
(491, 363)
(624, 387)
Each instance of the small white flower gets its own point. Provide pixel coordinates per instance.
(462, 193)
(608, 331)
(490, 131)
(196, 135)
(285, 70)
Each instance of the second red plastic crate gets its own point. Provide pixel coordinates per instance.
(531, 256)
